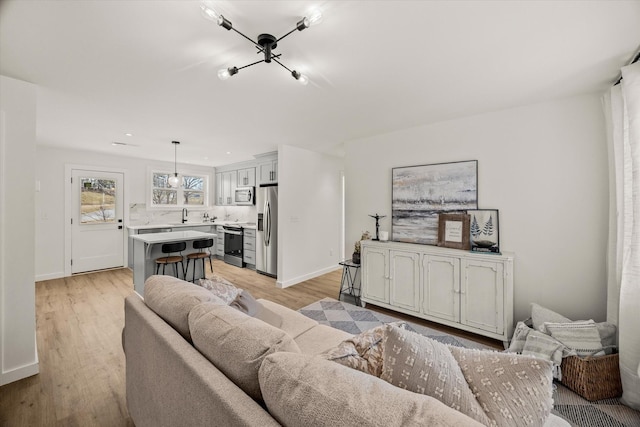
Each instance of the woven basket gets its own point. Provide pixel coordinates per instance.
(593, 378)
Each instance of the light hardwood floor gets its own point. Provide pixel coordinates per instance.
(79, 322)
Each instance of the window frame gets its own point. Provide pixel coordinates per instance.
(206, 179)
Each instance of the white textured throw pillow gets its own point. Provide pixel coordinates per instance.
(422, 365)
(513, 390)
(583, 336)
(540, 315)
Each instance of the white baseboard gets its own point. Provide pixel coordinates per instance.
(309, 276)
(19, 373)
(49, 276)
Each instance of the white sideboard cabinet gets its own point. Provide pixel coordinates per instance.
(465, 290)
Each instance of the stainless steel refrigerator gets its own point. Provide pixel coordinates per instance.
(267, 230)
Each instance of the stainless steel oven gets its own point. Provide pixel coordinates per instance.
(233, 245)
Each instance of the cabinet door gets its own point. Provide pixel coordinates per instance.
(441, 284)
(228, 186)
(482, 295)
(375, 267)
(219, 190)
(247, 177)
(404, 280)
(268, 172)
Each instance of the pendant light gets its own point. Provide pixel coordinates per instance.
(174, 181)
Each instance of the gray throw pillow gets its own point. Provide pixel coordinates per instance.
(246, 303)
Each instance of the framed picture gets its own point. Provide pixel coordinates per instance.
(484, 234)
(420, 193)
(453, 231)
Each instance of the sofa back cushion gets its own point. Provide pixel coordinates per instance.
(307, 390)
(172, 299)
(236, 343)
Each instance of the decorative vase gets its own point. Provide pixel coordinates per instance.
(355, 258)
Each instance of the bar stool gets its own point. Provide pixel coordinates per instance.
(170, 248)
(203, 252)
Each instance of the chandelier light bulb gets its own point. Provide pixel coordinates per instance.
(225, 73)
(209, 12)
(314, 18)
(301, 78)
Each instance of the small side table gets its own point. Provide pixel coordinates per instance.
(348, 284)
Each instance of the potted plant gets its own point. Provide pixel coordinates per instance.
(355, 258)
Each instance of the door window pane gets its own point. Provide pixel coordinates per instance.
(97, 200)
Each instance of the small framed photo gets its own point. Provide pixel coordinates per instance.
(484, 234)
(453, 230)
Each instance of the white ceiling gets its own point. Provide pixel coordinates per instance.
(108, 67)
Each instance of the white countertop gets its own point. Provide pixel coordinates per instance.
(173, 236)
(191, 224)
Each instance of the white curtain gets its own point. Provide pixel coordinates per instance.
(622, 107)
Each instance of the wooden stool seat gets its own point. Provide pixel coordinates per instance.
(169, 249)
(203, 253)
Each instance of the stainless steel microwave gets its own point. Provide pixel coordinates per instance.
(244, 196)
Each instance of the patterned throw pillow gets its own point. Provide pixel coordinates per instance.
(519, 338)
(544, 347)
(422, 365)
(362, 352)
(582, 336)
(513, 390)
(220, 287)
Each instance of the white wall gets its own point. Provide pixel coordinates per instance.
(50, 209)
(543, 166)
(310, 214)
(18, 352)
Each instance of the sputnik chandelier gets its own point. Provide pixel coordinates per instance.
(265, 44)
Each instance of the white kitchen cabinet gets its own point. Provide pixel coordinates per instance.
(268, 172)
(219, 190)
(249, 247)
(465, 290)
(229, 180)
(246, 177)
(220, 241)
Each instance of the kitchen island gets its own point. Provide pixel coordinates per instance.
(148, 247)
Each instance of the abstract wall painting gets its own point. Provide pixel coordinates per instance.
(420, 193)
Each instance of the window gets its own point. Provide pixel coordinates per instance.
(192, 191)
(97, 200)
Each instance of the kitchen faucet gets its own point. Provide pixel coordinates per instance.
(185, 214)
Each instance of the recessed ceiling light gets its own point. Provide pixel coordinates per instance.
(122, 144)
(206, 158)
(128, 134)
(228, 152)
(116, 144)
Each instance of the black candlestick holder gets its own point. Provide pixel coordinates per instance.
(377, 217)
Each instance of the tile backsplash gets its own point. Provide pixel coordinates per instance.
(139, 214)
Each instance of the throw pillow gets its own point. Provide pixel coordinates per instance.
(220, 287)
(172, 299)
(513, 390)
(540, 315)
(306, 390)
(236, 343)
(543, 346)
(519, 338)
(583, 336)
(246, 303)
(362, 352)
(422, 365)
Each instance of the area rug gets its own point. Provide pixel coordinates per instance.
(568, 405)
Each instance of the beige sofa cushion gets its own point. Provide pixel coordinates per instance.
(172, 299)
(512, 389)
(320, 338)
(306, 390)
(236, 343)
(422, 365)
(290, 321)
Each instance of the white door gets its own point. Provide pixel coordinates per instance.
(97, 232)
